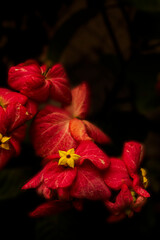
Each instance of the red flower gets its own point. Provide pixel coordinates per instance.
(39, 83)
(62, 128)
(15, 110)
(123, 175)
(73, 174)
(125, 171)
(126, 204)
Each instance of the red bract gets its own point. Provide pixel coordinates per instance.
(122, 171)
(125, 204)
(79, 180)
(39, 83)
(63, 128)
(124, 175)
(15, 110)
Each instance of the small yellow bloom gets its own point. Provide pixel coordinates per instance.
(4, 142)
(68, 158)
(144, 177)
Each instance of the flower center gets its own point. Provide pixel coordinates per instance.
(4, 142)
(68, 158)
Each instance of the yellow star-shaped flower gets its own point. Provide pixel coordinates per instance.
(4, 142)
(68, 158)
(144, 177)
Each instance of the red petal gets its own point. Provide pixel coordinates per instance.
(59, 86)
(123, 200)
(16, 116)
(89, 184)
(34, 182)
(80, 101)
(38, 178)
(51, 207)
(59, 176)
(132, 156)
(89, 150)
(39, 94)
(23, 73)
(95, 133)
(116, 175)
(78, 130)
(10, 97)
(3, 126)
(137, 187)
(50, 131)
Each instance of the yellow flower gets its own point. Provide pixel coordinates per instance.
(144, 177)
(4, 142)
(68, 158)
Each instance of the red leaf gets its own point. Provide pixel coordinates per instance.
(34, 182)
(89, 184)
(116, 175)
(50, 131)
(27, 72)
(95, 133)
(132, 156)
(59, 176)
(124, 199)
(80, 101)
(89, 150)
(59, 85)
(50, 208)
(78, 130)
(8, 97)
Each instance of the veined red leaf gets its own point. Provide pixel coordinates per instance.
(116, 175)
(89, 150)
(50, 131)
(59, 176)
(132, 156)
(96, 133)
(80, 101)
(89, 184)
(78, 130)
(59, 84)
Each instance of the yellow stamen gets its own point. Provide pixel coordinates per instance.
(5, 139)
(68, 158)
(4, 142)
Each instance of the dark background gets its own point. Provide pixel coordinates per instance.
(115, 47)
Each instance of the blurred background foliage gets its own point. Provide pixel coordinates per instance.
(114, 45)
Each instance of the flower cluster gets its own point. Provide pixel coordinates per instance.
(74, 167)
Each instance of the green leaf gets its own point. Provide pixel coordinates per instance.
(11, 181)
(145, 5)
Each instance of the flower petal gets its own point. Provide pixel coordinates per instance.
(89, 150)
